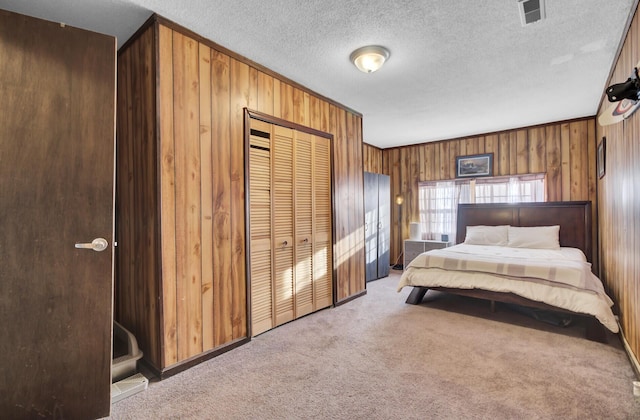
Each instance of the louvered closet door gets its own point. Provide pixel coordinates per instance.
(260, 227)
(303, 196)
(282, 174)
(322, 238)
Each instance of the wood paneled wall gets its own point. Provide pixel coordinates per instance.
(372, 159)
(137, 230)
(181, 278)
(565, 151)
(619, 202)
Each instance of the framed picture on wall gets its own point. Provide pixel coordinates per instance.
(474, 166)
(601, 156)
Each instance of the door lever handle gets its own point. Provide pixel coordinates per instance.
(98, 244)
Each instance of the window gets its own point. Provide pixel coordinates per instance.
(438, 200)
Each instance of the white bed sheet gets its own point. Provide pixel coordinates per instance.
(594, 302)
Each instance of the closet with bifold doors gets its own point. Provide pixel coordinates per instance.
(290, 223)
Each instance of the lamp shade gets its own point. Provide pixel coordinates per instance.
(369, 59)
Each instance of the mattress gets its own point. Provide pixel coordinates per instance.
(558, 277)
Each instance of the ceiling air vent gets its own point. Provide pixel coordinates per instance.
(531, 11)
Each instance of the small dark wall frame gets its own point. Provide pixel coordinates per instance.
(474, 166)
(601, 156)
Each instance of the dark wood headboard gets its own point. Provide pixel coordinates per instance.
(573, 217)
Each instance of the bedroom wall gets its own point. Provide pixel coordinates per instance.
(619, 201)
(565, 151)
(181, 267)
(372, 158)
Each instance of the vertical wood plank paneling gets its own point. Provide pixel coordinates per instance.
(429, 161)
(445, 161)
(404, 191)
(619, 202)
(298, 106)
(522, 152)
(344, 237)
(592, 169)
(124, 310)
(136, 304)
(198, 106)
(454, 151)
(252, 96)
(414, 214)
(437, 157)
(307, 109)
(505, 154)
(221, 174)
(394, 171)
(206, 193)
(352, 201)
(422, 163)
(491, 145)
(167, 199)
(277, 98)
(325, 115)
(540, 149)
(372, 159)
(286, 102)
(537, 150)
(565, 150)
(357, 224)
(188, 200)
(149, 310)
(513, 153)
(240, 87)
(124, 161)
(315, 113)
(265, 93)
(553, 158)
(462, 147)
(592, 192)
(578, 154)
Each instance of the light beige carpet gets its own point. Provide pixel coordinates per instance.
(379, 358)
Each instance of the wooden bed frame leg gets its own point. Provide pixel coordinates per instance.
(596, 331)
(416, 295)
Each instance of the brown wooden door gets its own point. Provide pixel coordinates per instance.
(56, 189)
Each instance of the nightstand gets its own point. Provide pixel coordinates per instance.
(415, 247)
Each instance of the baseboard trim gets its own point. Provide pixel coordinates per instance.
(350, 298)
(186, 364)
(632, 357)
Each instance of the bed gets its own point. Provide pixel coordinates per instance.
(509, 256)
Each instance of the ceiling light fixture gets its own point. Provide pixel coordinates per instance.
(369, 59)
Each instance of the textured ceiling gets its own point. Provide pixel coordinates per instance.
(457, 67)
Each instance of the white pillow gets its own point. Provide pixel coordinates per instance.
(487, 235)
(540, 237)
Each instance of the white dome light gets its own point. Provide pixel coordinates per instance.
(369, 59)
